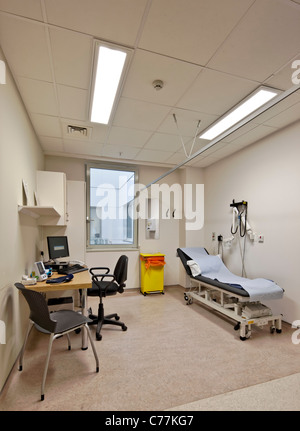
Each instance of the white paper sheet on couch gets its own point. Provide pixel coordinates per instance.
(214, 268)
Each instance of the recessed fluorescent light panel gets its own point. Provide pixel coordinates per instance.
(259, 98)
(110, 67)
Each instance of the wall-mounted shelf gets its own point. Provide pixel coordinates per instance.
(50, 207)
(51, 191)
(38, 211)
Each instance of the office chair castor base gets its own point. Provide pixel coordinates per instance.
(124, 328)
(98, 337)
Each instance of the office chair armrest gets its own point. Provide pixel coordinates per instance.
(102, 276)
(98, 269)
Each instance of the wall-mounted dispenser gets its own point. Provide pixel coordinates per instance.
(152, 222)
(151, 225)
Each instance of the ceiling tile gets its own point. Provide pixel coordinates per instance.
(164, 142)
(285, 118)
(46, 125)
(51, 144)
(25, 47)
(241, 131)
(139, 115)
(27, 8)
(38, 96)
(72, 57)
(176, 158)
(147, 67)
(279, 108)
(224, 151)
(283, 79)
(198, 145)
(82, 148)
(99, 132)
(120, 151)
(113, 20)
(213, 149)
(130, 137)
(252, 136)
(215, 92)
(153, 156)
(186, 122)
(204, 162)
(192, 31)
(73, 102)
(265, 39)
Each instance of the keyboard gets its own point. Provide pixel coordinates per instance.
(73, 269)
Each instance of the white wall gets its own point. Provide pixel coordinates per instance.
(266, 175)
(172, 233)
(20, 157)
(190, 237)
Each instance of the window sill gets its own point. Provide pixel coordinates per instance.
(92, 250)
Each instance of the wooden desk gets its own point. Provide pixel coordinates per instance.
(82, 280)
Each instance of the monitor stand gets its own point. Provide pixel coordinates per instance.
(57, 265)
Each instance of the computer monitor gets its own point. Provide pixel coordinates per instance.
(57, 247)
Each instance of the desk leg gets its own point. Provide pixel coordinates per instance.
(85, 313)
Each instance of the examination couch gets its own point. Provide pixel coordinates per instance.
(239, 298)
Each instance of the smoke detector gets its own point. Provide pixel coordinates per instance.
(158, 84)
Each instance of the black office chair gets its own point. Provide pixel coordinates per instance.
(106, 284)
(55, 324)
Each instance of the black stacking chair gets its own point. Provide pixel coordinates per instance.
(106, 284)
(55, 324)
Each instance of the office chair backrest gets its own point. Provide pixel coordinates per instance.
(120, 271)
(39, 312)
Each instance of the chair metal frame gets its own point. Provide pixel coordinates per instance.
(49, 327)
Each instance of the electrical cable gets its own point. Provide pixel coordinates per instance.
(233, 233)
(243, 258)
(245, 224)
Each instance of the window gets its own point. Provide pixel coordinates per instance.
(110, 206)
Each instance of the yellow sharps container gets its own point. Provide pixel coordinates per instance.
(152, 273)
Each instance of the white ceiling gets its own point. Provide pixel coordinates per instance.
(210, 54)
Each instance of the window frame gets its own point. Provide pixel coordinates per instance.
(107, 247)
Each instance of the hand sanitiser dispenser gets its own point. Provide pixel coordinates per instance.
(151, 225)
